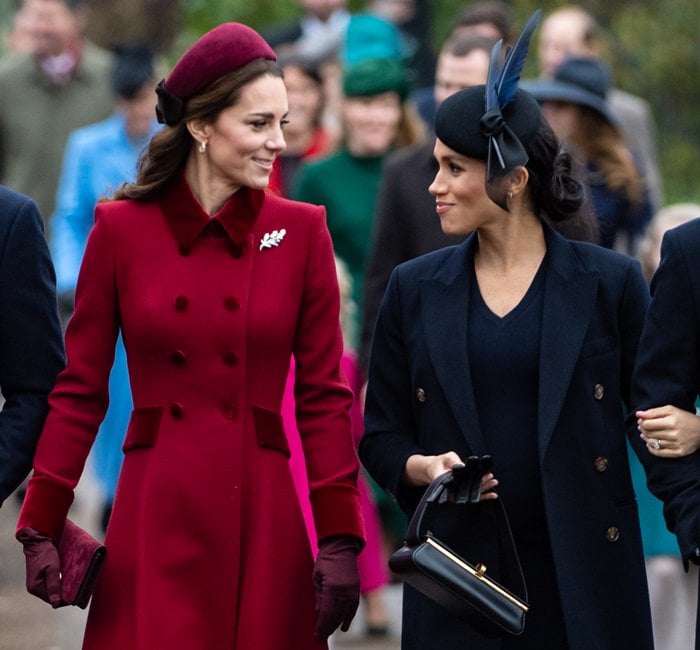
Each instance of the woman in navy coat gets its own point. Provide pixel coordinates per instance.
(520, 344)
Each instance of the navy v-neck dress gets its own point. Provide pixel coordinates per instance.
(504, 366)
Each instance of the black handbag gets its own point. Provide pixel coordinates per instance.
(464, 588)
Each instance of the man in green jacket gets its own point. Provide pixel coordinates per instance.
(44, 95)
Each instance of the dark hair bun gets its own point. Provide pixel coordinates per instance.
(567, 192)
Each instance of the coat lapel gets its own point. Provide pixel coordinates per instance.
(569, 300)
(444, 301)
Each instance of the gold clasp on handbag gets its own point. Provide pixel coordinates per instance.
(480, 570)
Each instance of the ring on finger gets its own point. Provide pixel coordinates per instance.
(656, 444)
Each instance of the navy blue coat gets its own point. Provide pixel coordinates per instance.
(31, 344)
(668, 372)
(420, 400)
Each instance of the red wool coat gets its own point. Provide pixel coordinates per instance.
(206, 545)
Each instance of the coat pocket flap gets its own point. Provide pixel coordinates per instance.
(269, 430)
(143, 428)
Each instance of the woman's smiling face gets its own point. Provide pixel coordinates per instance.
(461, 201)
(245, 139)
(371, 123)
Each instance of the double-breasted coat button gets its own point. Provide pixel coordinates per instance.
(600, 464)
(420, 395)
(184, 250)
(230, 357)
(231, 303)
(181, 303)
(178, 357)
(612, 534)
(177, 410)
(229, 412)
(598, 391)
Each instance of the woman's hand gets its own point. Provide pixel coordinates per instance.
(488, 483)
(668, 431)
(43, 566)
(423, 470)
(336, 585)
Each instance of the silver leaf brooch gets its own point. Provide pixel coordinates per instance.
(273, 238)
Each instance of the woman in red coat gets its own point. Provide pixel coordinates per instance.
(214, 284)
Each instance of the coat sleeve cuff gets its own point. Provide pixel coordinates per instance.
(337, 512)
(45, 507)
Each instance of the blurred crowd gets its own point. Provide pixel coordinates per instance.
(363, 88)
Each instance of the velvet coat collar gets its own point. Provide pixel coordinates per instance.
(187, 219)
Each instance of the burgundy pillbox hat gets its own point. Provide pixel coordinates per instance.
(220, 51)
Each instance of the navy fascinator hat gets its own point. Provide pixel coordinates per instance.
(460, 125)
(494, 122)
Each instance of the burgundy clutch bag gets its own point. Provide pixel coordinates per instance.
(82, 557)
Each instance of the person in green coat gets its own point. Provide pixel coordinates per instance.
(375, 119)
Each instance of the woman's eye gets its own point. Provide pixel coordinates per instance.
(284, 123)
(259, 124)
(455, 169)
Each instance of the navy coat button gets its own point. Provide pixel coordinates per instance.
(420, 395)
(181, 303)
(598, 391)
(600, 464)
(178, 357)
(231, 303)
(612, 534)
(177, 410)
(230, 357)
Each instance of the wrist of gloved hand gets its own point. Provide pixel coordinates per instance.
(43, 566)
(337, 584)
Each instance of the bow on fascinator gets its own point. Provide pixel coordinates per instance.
(170, 108)
(505, 151)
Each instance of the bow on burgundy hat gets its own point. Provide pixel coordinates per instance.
(220, 51)
(505, 151)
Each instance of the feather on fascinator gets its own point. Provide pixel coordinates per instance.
(505, 151)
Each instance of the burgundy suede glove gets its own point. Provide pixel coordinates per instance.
(337, 585)
(43, 566)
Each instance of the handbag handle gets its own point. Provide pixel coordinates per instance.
(432, 493)
(415, 535)
(464, 478)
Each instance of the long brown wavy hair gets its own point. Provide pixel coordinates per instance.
(604, 145)
(170, 148)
